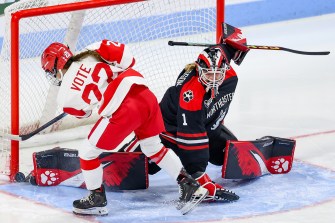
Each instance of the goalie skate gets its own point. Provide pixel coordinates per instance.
(222, 194)
(94, 204)
(215, 191)
(191, 193)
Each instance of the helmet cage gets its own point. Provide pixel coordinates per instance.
(51, 75)
(212, 66)
(212, 77)
(53, 60)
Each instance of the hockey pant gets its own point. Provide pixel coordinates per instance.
(217, 145)
(197, 160)
(139, 112)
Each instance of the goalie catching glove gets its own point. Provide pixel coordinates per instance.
(215, 191)
(235, 42)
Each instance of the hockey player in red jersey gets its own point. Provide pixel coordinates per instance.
(102, 76)
(195, 107)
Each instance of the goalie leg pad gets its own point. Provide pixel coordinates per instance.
(251, 159)
(60, 166)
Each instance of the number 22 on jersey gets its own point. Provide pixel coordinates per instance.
(93, 87)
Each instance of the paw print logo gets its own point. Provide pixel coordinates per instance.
(188, 96)
(49, 177)
(280, 165)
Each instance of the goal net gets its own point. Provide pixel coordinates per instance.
(27, 100)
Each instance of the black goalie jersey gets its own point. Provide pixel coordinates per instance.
(192, 117)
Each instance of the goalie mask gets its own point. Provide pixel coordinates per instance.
(212, 66)
(53, 59)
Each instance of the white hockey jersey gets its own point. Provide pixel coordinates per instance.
(89, 83)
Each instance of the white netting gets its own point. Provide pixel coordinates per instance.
(145, 26)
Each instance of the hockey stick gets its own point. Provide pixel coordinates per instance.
(29, 135)
(253, 47)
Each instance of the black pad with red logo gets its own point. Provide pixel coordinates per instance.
(251, 159)
(61, 166)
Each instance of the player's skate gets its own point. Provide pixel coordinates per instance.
(216, 191)
(222, 194)
(191, 193)
(94, 204)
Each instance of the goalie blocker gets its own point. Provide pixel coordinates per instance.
(61, 166)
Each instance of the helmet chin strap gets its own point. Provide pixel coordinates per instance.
(61, 77)
(61, 74)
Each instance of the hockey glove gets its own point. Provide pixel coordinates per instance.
(116, 53)
(234, 39)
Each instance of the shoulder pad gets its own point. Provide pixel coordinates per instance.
(191, 95)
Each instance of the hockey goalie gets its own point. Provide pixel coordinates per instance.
(194, 110)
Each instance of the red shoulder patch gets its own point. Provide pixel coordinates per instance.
(191, 95)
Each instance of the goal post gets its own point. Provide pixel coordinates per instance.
(27, 100)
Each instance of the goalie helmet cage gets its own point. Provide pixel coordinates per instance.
(27, 100)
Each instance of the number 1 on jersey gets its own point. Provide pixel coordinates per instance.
(184, 119)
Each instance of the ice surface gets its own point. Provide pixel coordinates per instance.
(279, 94)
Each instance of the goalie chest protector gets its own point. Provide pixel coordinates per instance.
(60, 166)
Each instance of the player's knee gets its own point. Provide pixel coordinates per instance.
(150, 146)
(87, 151)
(216, 154)
(216, 160)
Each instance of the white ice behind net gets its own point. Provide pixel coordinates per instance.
(145, 26)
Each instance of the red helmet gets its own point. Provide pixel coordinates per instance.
(54, 58)
(212, 65)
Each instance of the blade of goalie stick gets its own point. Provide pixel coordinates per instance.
(31, 134)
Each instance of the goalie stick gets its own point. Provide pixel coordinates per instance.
(252, 47)
(31, 134)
